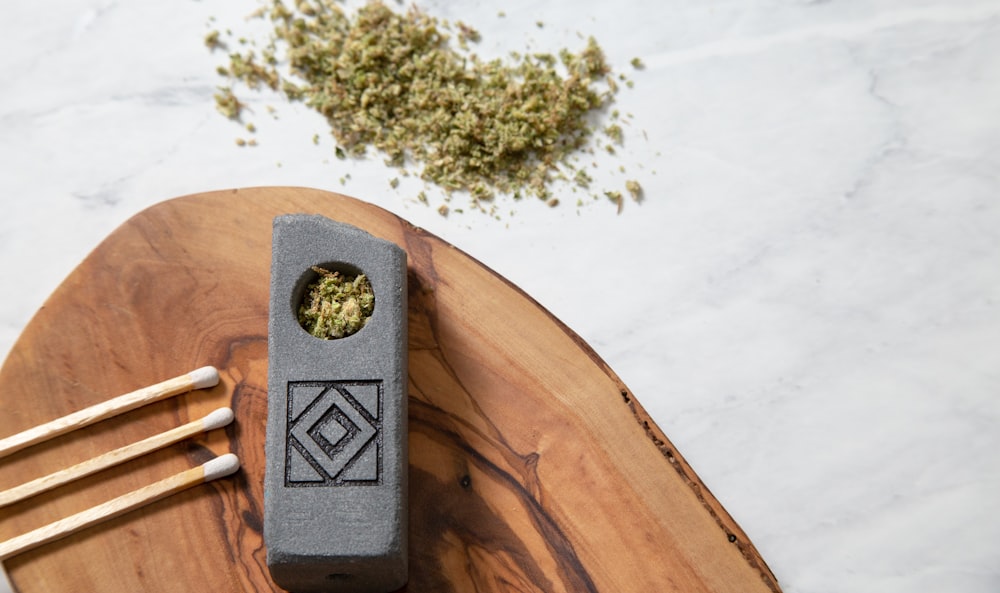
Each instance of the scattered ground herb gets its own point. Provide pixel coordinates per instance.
(614, 131)
(246, 67)
(212, 41)
(616, 197)
(336, 305)
(634, 189)
(467, 33)
(391, 81)
(227, 103)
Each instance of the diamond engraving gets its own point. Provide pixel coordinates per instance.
(334, 433)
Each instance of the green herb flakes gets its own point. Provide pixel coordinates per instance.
(336, 305)
(393, 82)
(213, 42)
(634, 189)
(616, 197)
(227, 103)
(614, 131)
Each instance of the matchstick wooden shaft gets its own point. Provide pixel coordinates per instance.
(115, 507)
(112, 458)
(102, 512)
(103, 410)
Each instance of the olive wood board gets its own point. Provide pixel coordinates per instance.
(532, 466)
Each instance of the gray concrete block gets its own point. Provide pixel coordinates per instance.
(335, 487)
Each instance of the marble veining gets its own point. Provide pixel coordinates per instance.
(807, 301)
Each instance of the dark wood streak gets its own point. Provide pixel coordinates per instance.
(438, 511)
(423, 324)
(445, 505)
(453, 506)
(242, 511)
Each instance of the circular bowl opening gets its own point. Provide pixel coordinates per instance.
(333, 300)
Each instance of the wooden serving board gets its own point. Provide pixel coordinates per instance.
(532, 467)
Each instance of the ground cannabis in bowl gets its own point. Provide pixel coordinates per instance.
(393, 81)
(336, 305)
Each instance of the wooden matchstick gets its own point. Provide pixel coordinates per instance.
(216, 419)
(196, 379)
(215, 468)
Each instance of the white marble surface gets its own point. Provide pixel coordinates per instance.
(813, 313)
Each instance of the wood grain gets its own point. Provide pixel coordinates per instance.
(532, 467)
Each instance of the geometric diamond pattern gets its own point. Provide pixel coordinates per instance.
(334, 435)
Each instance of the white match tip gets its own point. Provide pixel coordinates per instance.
(221, 466)
(217, 419)
(204, 377)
